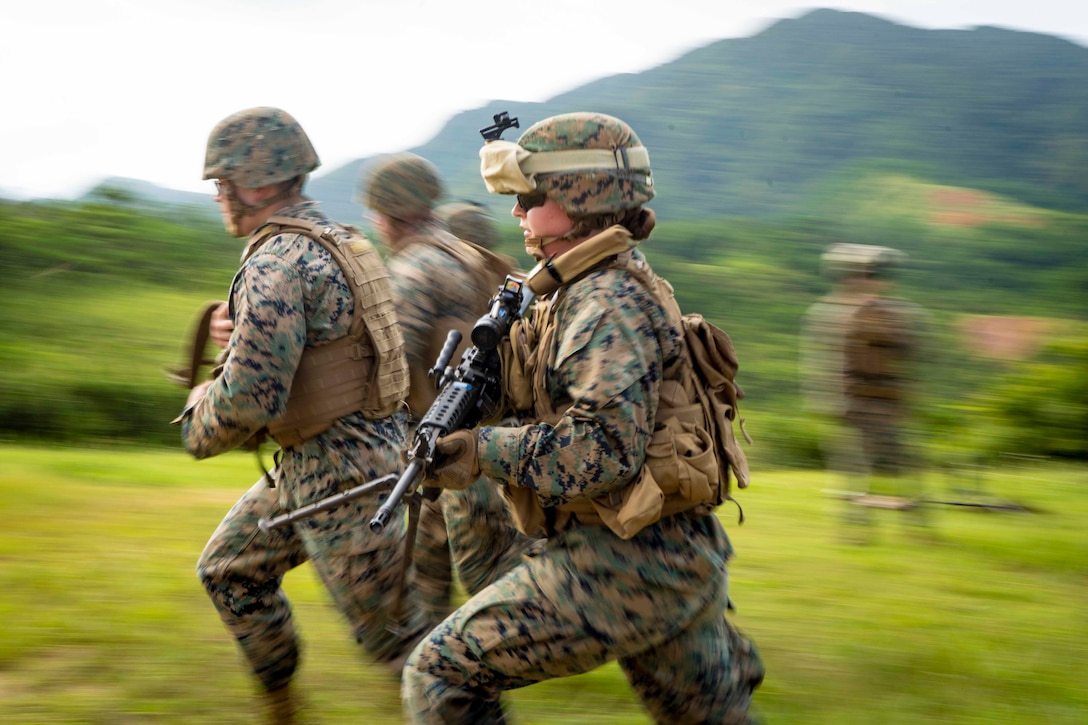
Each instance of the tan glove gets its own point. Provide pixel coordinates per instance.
(456, 463)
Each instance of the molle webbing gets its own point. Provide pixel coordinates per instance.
(365, 371)
(681, 471)
(693, 447)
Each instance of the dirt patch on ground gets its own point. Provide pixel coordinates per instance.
(1005, 338)
(969, 208)
(957, 207)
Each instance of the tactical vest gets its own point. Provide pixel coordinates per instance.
(487, 271)
(877, 344)
(365, 371)
(693, 448)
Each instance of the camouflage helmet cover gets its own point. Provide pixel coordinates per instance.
(620, 179)
(259, 147)
(402, 186)
(470, 222)
(841, 260)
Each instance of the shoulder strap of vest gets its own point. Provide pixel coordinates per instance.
(374, 318)
(481, 262)
(326, 235)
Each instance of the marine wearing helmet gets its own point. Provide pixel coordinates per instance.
(469, 221)
(257, 148)
(403, 186)
(843, 261)
(591, 164)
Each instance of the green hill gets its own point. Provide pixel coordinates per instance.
(747, 126)
(965, 149)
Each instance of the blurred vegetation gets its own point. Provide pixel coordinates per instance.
(100, 296)
(965, 149)
(978, 618)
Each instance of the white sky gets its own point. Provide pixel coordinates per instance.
(96, 88)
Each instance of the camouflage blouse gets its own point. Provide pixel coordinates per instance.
(428, 285)
(612, 344)
(288, 295)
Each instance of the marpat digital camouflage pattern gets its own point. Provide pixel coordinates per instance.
(590, 191)
(654, 602)
(470, 222)
(403, 186)
(469, 529)
(288, 295)
(259, 147)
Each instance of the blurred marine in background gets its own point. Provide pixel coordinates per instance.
(469, 221)
(860, 359)
(442, 282)
(310, 304)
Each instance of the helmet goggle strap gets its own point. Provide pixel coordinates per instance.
(508, 168)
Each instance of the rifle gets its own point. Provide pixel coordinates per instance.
(468, 394)
(473, 391)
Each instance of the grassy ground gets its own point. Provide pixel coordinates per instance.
(976, 617)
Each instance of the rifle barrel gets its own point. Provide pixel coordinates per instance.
(326, 503)
(407, 482)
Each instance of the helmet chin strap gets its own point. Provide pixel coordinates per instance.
(239, 209)
(535, 245)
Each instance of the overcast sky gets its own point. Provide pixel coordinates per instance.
(96, 88)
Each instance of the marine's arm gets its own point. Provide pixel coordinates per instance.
(263, 354)
(608, 363)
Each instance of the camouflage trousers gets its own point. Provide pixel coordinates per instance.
(242, 569)
(656, 603)
(865, 442)
(880, 436)
(470, 531)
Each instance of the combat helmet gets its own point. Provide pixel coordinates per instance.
(589, 163)
(848, 261)
(469, 221)
(259, 147)
(402, 186)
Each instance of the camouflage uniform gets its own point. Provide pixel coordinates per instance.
(469, 221)
(290, 294)
(654, 602)
(847, 325)
(470, 529)
(862, 412)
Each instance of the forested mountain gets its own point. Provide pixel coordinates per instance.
(965, 149)
(745, 126)
(748, 126)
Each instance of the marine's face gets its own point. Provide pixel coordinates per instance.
(223, 195)
(542, 221)
(233, 200)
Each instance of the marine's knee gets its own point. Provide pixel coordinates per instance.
(204, 574)
(440, 657)
(417, 684)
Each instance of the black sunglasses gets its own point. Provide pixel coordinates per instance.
(530, 201)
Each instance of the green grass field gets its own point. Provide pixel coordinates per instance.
(978, 617)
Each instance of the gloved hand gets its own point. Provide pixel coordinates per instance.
(456, 463)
